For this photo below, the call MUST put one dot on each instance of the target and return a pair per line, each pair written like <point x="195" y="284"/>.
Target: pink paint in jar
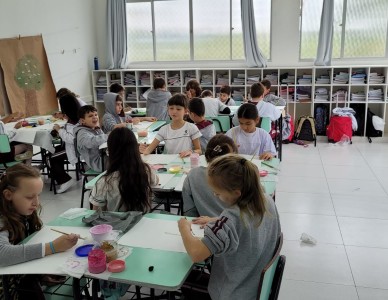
<point x="97" y="261"/>
<point x="194" y="160"/>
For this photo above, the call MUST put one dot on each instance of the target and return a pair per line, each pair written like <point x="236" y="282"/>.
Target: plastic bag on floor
<point x="345" y="140"/>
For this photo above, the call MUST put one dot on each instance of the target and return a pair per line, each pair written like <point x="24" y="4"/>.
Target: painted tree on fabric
<point x="29" y="77"/>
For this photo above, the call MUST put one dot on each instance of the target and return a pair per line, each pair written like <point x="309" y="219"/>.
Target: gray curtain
<point x="117" y="34"/>
<point x="325" y="39"/>
<point x="253" y="55"/>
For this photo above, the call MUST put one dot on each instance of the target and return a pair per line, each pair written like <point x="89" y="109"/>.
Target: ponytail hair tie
<point x="217" y="149"/>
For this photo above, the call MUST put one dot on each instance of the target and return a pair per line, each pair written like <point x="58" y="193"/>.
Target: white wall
<point x="285" y="41"/>
<point x="66" y="26"/>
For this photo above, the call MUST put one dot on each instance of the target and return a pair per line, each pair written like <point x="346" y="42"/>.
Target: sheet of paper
<point x="143" y="125"/>
<point x="51" y="264"/>
<point x="160" y="159"/>
<point x="157" y="234"/>
<point x="164" y="179"/>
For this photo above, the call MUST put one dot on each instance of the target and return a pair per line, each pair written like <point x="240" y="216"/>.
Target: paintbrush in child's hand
<point x="82" y="238"/>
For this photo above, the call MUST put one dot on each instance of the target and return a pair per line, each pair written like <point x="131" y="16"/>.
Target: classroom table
<point x="39" y="136"/>
<point x="171" y="268"/>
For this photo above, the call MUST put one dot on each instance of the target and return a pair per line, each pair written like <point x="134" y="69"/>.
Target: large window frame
<point x="342" y="41"/>
<point x="191" y="37"/>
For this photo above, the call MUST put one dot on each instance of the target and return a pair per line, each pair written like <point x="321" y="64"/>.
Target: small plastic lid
<point x="116" y="266"/>
<point x="84" y="250"/>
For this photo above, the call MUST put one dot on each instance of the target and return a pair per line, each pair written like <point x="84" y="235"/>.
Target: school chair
<point x="265" y="123"/>
<point x="86" y="173"/>
<point x="222" y="121"/>
<point x="5" y="147"/>
<point x="272" y="274"/>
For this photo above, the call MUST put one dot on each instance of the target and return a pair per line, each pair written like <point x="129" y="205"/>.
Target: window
<point x="360" y="28"/>
<point x="185" y="30"/>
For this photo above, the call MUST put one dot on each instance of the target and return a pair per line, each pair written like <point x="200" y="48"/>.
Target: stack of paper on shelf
<point x="273" y="78"/>
<point x="323" y="79"/>
<point x="358" y="96"/>
<point x="321" y="95"/>
<point x="222" y="79"/>
<point x="375" y="78"/>
<point x="206" y="79"/>
<point x="340" y="95"/>
<point x="375" y="94"/>
<point x="129" y="79"/>
<point x="253" y="79"/>
<point x="305" y="79"/>
<point x="341" y="78"/>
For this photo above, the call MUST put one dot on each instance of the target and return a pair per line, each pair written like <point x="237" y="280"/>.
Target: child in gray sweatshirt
<point x="157" y="100"/>
<point x="198" y="197"/>
<point x="243" y="238"/>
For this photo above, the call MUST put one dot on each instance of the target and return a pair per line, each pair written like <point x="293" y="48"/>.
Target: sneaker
<point x="24" y="156"/>
<point x="65" y="186"/>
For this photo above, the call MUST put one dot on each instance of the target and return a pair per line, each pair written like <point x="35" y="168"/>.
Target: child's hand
<point x="185" y="153"/>
<point x="65" y="242"/>
<point x="150" y="119"/>
<point x="143" y="149"/>
<point x="184" y="225"/>
<point x="266" y="156"/>
<point x="135" y="121"/>
<point x="56" y="127"/>
<point x="203" y="220"/>
<point x="18" y="125"/>
<point x="58" y="115"/>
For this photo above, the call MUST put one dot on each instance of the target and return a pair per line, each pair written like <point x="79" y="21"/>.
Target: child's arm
<point x="144" y="149"/>
<point x="90" y="141"/>
<point x="269" y="150"/>
<point x="203" y="220"/>
<point x="61" y="244"/>
<point x="149" y="119"/>
<point x="194" y="246"/>
<point x="197" y="149"/>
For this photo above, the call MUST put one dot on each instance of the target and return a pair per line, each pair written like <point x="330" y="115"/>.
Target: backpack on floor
<point x="321" y="116"/>
<point x="339" y="126"/>
<point x="305" y="129"/>
<point x="360" y="118"/>
<point x="371" y="131"/>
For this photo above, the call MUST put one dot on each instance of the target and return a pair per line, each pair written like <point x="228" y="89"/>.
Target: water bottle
<point x="194" y="160"/>
<point x="96" y="63"/>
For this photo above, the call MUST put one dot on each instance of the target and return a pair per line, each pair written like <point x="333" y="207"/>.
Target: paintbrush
<point x="82" y="238"/>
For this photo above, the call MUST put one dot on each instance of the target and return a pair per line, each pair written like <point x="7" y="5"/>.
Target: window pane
<point x="211" y="29"/>
<point x="366" y="28"/>
<point x="263" y="25"/>
<point x="139" y="24"/>
<point x="237" y="37"/>
<point x="311" y="21"/>
<point x="172" y="30"/>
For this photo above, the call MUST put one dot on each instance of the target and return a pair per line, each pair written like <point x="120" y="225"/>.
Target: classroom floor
<point x="339" y="196"/>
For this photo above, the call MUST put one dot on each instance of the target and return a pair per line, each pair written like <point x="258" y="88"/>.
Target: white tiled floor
<point x="339" y="195"/>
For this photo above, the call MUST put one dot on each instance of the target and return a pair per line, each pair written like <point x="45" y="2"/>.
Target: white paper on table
<point x="51" y="264"/>
<point x="157" y="159"/>
<point x="143" y="125"/>
<point x="157" y="234"/>
<point x="179" y="185"/>
<point x="163" y="180"/>
<point x="25" y="136"/>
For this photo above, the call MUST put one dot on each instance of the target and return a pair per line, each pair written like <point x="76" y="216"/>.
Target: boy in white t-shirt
<point x="213" y="107"/>
<point x="180" y="137"/>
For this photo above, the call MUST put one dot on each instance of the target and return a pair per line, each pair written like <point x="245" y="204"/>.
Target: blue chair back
<point x="272" y="274"/>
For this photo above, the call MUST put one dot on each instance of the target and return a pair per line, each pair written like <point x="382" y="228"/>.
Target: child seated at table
<point x="63" y="92"/>
<point x="119" y="89"/>
<point x="225" y="98"/>
<point x="20" y="188"/>
<point x="271" y="98"/>
<point x="249" y="139"/>
<point x="180" y="137"/>
<point x="89" y="137"/>
<point x="213" y="107"/>
<point x="264" y="109"/>
<point x="198" y="198"/>
<point x="69" y="107"/>
<point x="19" y="151"/>
<point x="157" y="100"/>
<point x="206" y="127"/>
<point x="243" y="238"/>
<point x="126" y="186"/>
<point x="193" y="89"/>
<point x="113" y="112"/>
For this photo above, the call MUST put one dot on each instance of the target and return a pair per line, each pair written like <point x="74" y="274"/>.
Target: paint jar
<point x="110" y="249"/>
<point x="96" y="261"/>
<point x="194" y="160"/>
